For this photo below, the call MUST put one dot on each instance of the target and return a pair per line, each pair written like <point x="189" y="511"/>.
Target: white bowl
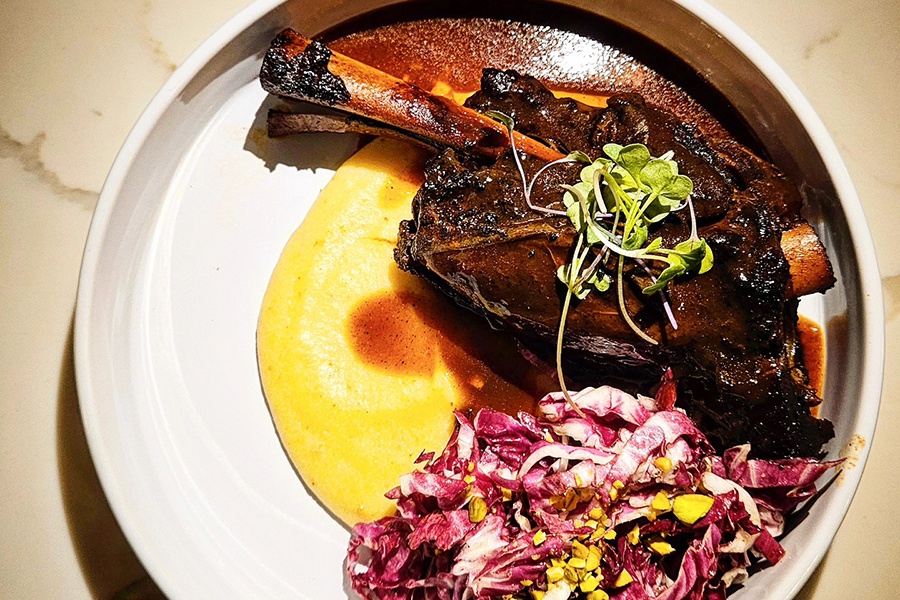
<point x="189" y="226"/>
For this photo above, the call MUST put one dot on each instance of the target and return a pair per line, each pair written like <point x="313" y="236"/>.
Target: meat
<point x="299" y="68"/>
<point x="734" y="353"/>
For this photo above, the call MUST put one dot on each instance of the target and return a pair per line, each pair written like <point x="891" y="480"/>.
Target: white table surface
<point x="75" y="76"/>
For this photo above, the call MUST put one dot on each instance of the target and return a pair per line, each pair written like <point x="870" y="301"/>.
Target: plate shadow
<point x="110" y="567"/>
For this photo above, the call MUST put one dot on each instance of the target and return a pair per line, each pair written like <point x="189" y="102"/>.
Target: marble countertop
<point x="74" y="78"/>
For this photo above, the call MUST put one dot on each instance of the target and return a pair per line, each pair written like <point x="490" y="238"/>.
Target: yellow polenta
<point x="350" y="421"/>
<point x="361" y="363"/>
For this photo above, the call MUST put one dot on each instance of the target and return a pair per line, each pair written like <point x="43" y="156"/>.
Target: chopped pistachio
<point x="634" y="535"/>
<point x="477" y="509"/>
<point x="661" y="502"/>
<point x="539" y="537"/>
<point x="663" y="463"/>
<point x="538" y="594"/>
<point x="526" y="583"/>
<point x="610" y="534"/>
<point x="618" y="484"/>
<point x="596" y="513"/>
<point x="690" y="508"/>
<point x="570" y="500"/>
<point x="579" y="550"/>
<point x="589" y="584"/>
<point x="577" y="563"/>
<point x="598" y="595"/>
<point x="593" y="559"/>
<point x="555" y="574"/>
<point x="661" y="547"/>
<point x="623" y="579"/>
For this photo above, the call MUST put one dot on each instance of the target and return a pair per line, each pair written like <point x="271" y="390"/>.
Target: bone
<point x="280" y="124"/>
<point x="299" y="68"/>
<point x="291" y="71"/>
<point x="811" y="270"/>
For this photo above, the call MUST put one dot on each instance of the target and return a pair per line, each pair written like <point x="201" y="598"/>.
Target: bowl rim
<point x="871" y="379"/>
<point x="872" y="310"/>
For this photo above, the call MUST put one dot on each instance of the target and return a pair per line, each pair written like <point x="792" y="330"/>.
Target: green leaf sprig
<point x="614" y="205"/>
<point x="612" y="208"/>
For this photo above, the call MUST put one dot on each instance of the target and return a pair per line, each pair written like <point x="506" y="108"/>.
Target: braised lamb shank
<point x="734" y="354"/>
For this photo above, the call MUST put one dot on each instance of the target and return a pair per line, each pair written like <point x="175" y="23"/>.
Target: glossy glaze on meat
<point x="734" y="354"/>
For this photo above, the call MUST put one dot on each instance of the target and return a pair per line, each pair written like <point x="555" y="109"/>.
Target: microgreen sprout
<point x="617" y="200"/>
<point x="527" y="186"/>
<point x="638" y="190"/>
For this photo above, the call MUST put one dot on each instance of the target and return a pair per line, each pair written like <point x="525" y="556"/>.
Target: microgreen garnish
<point x="526" y="185"/>
<point x="613" y="206"/>
<point x="636" y="190"/>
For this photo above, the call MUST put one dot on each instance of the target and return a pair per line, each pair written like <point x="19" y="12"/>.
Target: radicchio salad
<point x="627" y="501"/>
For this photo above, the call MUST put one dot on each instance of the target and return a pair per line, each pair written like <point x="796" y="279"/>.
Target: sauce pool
<point x="812" y="342"/>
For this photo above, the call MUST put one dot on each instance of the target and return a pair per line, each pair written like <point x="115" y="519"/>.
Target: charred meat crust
<point x="299" y="68"/>
<point x="287" y="73"/>
<point x="739" y="369"/>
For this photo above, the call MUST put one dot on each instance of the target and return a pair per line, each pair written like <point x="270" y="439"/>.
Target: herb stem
<point x="607" y="240"/>
<point x="618" y="192"/>
<point x="646" y="204"/>
<point x="693" y="219"/>
<point x="621" y="293"/>
<point x="592" y="268"/>
<point x="630" y="221"/>
<point x="610" y="181"/>
<point x="577" y="259"/>
<point x="559" y="345"/>
<point x="526" y="187"/>
<point x="661" y="293"/>
<point x="558" y="161"/>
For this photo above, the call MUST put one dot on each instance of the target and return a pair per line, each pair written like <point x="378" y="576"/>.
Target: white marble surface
<point x="74" y="78"/>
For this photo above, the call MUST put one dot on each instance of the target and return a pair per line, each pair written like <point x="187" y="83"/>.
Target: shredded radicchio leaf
<point x="628" y="501"/>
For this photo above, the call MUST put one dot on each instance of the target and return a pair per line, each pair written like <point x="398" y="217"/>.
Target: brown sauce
<point x="566" y="48"/>
<point x="406" y="332"/>
<point x="812" y="341"/>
